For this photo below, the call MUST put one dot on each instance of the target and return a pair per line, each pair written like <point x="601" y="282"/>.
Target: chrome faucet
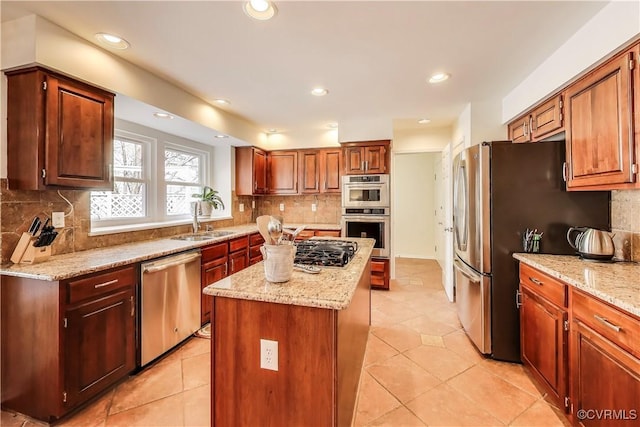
<point x="195" y="206"/>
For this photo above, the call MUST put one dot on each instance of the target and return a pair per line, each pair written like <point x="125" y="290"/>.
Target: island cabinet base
<point x="320" y="356"/>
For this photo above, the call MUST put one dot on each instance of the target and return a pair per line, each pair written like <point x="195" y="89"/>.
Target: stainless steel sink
<point x="193" y="237"/>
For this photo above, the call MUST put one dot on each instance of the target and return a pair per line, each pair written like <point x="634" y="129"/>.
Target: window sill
<point x="101" y="231"/>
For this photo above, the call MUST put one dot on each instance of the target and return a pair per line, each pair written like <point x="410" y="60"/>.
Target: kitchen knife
<point x="35" y="226"/>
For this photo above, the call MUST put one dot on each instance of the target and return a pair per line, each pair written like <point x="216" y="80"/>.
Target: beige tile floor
<point x="420" y="370"/>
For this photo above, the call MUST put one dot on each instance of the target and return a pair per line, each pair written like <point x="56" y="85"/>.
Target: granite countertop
<point x="617" y="283"/>
<point x="60" y="267"/>
<point x="332" y="288"/>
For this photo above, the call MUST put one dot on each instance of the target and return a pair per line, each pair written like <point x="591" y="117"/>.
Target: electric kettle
<point x="591" y="243"/>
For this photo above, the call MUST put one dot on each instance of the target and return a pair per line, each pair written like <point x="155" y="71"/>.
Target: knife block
<point x="26" y="253"/>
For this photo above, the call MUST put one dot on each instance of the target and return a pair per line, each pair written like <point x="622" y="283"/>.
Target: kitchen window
<point x="153" y="184"/>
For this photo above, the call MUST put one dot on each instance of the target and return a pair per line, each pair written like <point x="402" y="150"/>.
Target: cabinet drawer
<point x="255" y="239"/>
<point x="100" y="284"/>
<point x="255" y="260"/>
<point x="214" y="251"/>
<point x="542" y="284"/>
<point x="377" y="266"/>
<point x="617" y="326"/>
<point x="304" y="235"/>
<point x="239" y="244"/>
<point x="328" y="233"/>
<point x="254" y="252"/>
<point x="377" y="280"/>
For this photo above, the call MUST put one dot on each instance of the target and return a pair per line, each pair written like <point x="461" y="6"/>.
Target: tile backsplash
<point x="18" y="207"/>
<point x="625" y="223"/>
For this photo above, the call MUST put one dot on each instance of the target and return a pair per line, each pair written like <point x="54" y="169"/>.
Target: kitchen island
<point x="320" y="323"/>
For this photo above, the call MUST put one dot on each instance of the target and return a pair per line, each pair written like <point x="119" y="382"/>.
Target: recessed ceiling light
<point x="221" y="136"/>
<point x="439" y="77"/>
<point x="260" y="9"/>
<point x="112" y="40"/>
<point x="163" y="116"/>
<point x="424" y="121"/>
<point x="222" y="101"/>
<point x="319" y="91"/>
<point x="273" y="130"/>
<point x="332" y="125"/>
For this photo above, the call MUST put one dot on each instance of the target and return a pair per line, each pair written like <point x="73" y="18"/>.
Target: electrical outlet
<point x="281" y="207"/>
<point x="314" y="207"/>
<point x="57" y="219"/>
<point x="269" y="354"/>
<point x="241" y="207"/>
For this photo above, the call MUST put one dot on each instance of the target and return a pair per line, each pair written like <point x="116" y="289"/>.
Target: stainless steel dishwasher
<point x="170" y="303"/>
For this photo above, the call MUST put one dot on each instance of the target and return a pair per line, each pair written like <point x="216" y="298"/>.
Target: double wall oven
<point x="365" y="210"/>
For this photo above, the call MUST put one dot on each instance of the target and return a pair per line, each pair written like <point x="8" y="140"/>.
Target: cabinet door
<point x="211" y="273"/>
<point x="79" y="146"/>
<point x="375" y="159"/>
<point x="605" y="380"/>
<point x="354" y="160"/>
<point x="238" y="261"/>
<point x="546" y="120"/>
<point x="380" y="273"/>
<point x="599" y="127"/>
<point x="309" y="171"/>
<point x="544" y="343"/>
<point x="259" y="172"/>
<point x="519" y="129"/>
<point x="99" y="345"/>
<point x="283" y="172"/>
<point x="330" y="171"/>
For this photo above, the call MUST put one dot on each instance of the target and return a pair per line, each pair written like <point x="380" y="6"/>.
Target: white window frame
<point x="148" y="152"/>
<point x="155" y="185"/>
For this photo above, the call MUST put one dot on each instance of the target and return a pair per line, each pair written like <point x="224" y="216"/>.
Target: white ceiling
<point x="374" y="57"/>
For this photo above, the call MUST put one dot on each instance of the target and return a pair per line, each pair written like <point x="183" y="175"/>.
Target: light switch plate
<point x="281" y="207"/>
<point x="241" y="207"/>
<point x="314" y="207"/>
<point x="57" y="219"/>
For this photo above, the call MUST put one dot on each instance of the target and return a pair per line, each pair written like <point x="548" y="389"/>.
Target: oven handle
<point x="366" y="218"/>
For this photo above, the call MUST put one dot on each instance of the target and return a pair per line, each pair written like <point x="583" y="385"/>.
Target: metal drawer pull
<point x="606" y="323"/>
<point x="536" y="281"/>
<point x="110" y="282"/>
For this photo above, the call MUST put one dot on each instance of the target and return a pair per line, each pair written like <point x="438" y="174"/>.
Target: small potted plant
<point x="208" y="200"/>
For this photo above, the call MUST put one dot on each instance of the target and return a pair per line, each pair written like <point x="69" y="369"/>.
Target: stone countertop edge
<point x="65" y="266"/>
<point x="617" y="283"/>
<point x="332" y="288"/>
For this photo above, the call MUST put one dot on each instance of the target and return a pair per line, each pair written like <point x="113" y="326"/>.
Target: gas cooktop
<point x="332" y="253"/>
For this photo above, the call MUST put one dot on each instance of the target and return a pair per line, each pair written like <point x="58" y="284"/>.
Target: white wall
<point x="366" y="129"/>
<point x="616" y="24"/>
<point x="421" y="140"/>
<point x="413" y="185"/>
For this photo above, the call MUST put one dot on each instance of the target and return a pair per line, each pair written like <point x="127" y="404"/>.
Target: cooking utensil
<point x="311" y="269"/>
<point x="591" y="243"/>
<point x="294" y="233"/>
<point x="275" y="230"/>
<point x="263" y="227"/>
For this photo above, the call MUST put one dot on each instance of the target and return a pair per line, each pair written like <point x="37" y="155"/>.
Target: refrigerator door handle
<point x="465" y="273"/>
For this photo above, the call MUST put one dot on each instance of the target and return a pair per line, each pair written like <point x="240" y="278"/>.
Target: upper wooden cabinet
<point x="59" y="132"/>
<point x="544" y="121"/>
<point x="251" y="171"/>
<point x="320" y="171"/>
<point x="600" y="129"/>
<point x="366" y="157"/>
<point x="283" y="172"/>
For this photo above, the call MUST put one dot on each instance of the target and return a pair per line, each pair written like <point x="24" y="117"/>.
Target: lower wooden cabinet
<point x="544" y="342"/>
<point x="238" y="254"/>
<point x="72" y="339"/>
<point x="585" y="353"/>
<point x="255" y="242"/>
<point x="380" y="273"/>
<point x="214" y="268"/>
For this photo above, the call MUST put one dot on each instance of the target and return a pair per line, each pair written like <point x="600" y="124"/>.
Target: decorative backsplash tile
<point x="625" y="223"/>
<point x="18" y="207"/>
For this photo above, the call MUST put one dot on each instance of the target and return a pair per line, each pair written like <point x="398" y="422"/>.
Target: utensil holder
<point x="278" y="262"/>
<point x="26" y="253"/>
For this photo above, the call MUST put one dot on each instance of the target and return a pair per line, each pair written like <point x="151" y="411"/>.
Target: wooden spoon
<point x="263" y="228"/>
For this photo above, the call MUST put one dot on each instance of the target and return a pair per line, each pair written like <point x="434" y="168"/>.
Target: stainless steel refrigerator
<point x="501" y="190"/>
